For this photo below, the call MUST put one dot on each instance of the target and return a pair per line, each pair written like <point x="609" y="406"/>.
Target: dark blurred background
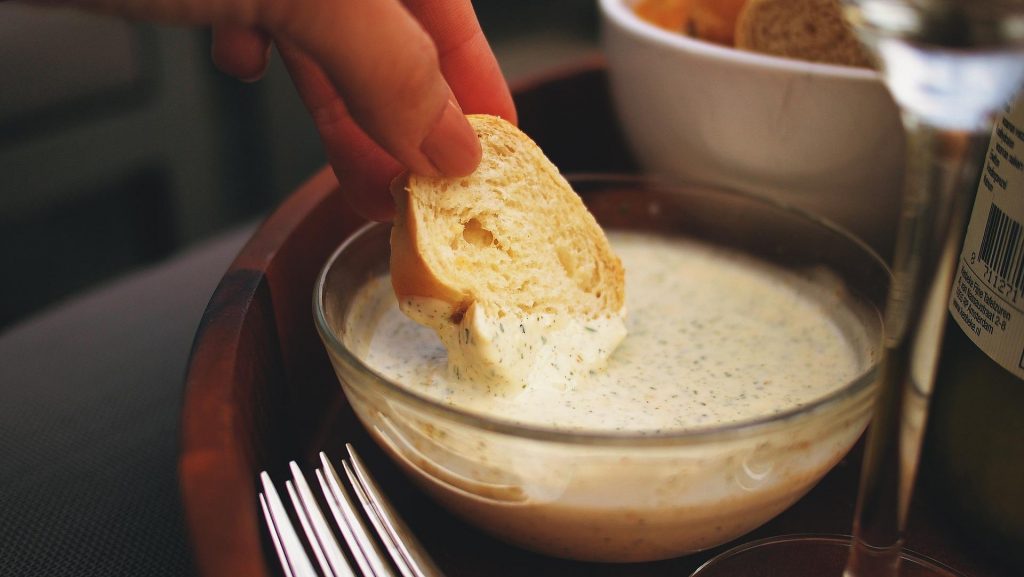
<point x="121" y="144"/>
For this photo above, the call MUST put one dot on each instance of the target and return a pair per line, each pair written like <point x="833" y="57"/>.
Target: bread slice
<point x="513" y="237"/>
<point x="812" y="30"/>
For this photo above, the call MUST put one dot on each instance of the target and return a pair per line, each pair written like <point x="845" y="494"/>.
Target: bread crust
<point x="432" y="256"/>
<point x="811" y="30"/>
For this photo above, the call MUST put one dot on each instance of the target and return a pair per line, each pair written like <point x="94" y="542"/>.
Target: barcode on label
<point x="1002" y="247"/>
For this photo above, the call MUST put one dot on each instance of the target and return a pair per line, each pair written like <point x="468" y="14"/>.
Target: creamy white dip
<point x="498" y="352"/>
<point x="713" y="337"/>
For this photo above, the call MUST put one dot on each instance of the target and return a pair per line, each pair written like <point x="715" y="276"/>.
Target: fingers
<point x="385" y="67"/>
<point x="240" y="51"/>
<point x="466" y="59"/>
<point x="378" y="89"/>
<point x="363" y="167"/>
<point x="364" y="170"/>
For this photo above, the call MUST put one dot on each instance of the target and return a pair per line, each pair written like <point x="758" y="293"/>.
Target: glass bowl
<point x="624" y="496"/>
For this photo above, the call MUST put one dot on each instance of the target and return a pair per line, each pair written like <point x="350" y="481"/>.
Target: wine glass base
<point x="805" y="556"/>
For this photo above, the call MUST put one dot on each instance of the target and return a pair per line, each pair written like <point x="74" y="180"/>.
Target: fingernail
<point x="256" y="76"/>
<point x="452" y="145"/>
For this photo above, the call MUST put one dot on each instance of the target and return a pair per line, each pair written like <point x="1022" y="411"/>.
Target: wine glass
<point x="950" y="65"/>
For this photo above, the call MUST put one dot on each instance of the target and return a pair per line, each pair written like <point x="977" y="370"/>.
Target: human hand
<point x="384" y="80"/>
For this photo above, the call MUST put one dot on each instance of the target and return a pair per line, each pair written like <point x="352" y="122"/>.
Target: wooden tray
<point x="260" y="390"/>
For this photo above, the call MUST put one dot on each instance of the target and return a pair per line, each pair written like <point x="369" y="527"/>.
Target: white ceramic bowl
<point x="826" y="138"/>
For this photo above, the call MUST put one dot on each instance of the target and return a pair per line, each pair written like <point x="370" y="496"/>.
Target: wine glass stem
<point x="940" y="187"/>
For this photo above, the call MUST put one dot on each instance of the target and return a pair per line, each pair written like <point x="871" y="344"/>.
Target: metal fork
<point x="362" y="555"/>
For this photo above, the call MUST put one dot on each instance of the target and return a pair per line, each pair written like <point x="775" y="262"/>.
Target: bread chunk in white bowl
<point x="823" y="137"/>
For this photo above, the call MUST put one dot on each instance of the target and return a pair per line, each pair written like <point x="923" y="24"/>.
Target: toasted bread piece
<point x="812" y="30"/>
<point x="513" y="237"/>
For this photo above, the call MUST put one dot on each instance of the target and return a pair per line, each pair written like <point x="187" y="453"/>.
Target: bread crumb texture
<point x="512" y="237"/>
<point x="812" y="30"/>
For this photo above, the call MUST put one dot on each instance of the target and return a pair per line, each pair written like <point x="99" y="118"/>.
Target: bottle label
<point x="987" y="299"/>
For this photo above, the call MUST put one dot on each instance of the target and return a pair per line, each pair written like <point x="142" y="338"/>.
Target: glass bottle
<point x="973" y="463"/>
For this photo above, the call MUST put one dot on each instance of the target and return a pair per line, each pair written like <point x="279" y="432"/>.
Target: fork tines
<point x="362" y="553"/>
